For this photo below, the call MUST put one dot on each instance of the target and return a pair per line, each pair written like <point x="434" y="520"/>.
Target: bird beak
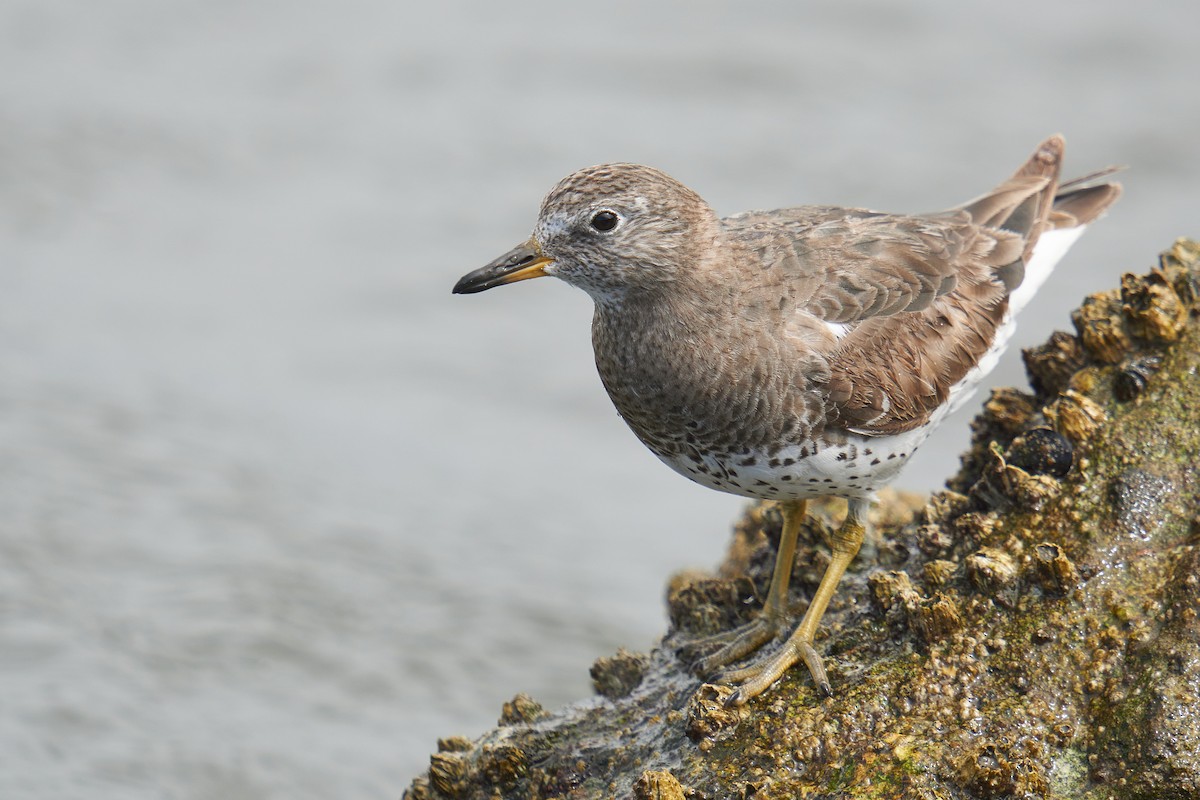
<point x="523" y="262"/>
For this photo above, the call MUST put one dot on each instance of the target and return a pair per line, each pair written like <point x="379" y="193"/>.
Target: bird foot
<point x="733" y="645"/>
<point x="758" y="677"/>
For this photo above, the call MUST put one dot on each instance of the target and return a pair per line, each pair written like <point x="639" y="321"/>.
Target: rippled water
<point x="277" y="510"/>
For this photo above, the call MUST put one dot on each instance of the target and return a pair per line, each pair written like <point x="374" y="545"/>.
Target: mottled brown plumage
<point x="800" y="352"/>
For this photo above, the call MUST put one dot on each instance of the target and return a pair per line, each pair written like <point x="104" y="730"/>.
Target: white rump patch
<point x="1050" y="248"/>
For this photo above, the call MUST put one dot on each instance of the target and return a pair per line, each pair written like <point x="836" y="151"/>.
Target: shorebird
<point x="798" y="353"/>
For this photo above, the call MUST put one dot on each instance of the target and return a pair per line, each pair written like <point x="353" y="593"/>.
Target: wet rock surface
<point x="1032" y="632"/>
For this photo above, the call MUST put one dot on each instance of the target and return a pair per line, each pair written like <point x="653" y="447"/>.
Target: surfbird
<point x="798" y="353"/>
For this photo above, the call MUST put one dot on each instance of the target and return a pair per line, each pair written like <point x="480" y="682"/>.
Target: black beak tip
<point x="470" y="284"/>
<point x="499" y="272"/>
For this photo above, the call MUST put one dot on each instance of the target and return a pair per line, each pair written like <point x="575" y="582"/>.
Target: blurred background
<point x="276" y="510"/>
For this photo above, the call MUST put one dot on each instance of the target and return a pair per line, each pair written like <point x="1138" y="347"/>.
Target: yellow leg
<point x="758" y="677"/>
<point x="785" y="559"/>
<point x="750" y="637"/>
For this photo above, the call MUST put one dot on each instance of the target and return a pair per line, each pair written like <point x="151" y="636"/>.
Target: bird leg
<point x="758" y="677"/>
<point x="748" y="638"/>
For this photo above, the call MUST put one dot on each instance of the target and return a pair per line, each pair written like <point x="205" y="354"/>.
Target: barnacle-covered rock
<point x="617" y="676"/>
<point x="1130" y="381"/>
<point x="1003" y="485"/>
<point x="938" y="572"/>
<point x="1075" y="416"/>
<point x="708" y="715"/>
<point x="1154" y="309"/>
<point x="704" y="605"/>
<point x="657" y="785"/>
<point x="888" y="589"/>
<point x="1042" y="451"/>
<point x="1051" y="365"/>
<point x="521" y="709"/>
<point x="448" y="773"/>
<point x="1055" y="572"/>
<point x="991" y="569"/>
<point x="502" y="765"/>
<point x="1101" y="327"/>
<point x="936" y="618"/>
<point x="993" y="770"/>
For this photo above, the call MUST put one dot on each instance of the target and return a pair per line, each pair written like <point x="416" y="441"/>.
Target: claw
<point x="815" y="668"/>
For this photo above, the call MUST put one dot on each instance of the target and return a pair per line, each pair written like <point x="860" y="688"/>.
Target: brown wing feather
<point x="850" y="264"/>
<point x="889" y="375"/>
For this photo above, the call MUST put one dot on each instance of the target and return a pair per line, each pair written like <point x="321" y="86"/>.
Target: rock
<point x="1055" y="572"/>
<point x="1051" y="365"/>
<point x="1075" y="416"/>
<point x="1042" y="451"/>
<point x="657" y="785"/>
<point x="521" y="708"/>
<point x="616" y="676"/>
<point x="1131" y="380"/>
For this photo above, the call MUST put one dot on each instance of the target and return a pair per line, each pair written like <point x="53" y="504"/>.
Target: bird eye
<point x="605" y="220"/>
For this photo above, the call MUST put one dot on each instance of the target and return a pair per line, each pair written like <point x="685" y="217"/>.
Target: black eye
<point x="605" y="220"/>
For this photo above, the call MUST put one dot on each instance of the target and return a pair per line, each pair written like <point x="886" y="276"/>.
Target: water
<point x="278" y="510"/>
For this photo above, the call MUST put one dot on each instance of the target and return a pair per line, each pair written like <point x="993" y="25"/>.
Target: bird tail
<point x="1049" y="216"/>
<point x="1083" y="200"/>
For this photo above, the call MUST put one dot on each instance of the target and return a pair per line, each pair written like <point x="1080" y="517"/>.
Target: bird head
<point x="611" y="230"/>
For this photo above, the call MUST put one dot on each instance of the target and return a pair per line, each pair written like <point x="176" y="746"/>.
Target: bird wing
<point x="852" y="264"/>
<point x="914" y="301"/>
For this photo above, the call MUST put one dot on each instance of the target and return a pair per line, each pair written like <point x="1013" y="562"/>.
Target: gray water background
<point x="276" y="510"/>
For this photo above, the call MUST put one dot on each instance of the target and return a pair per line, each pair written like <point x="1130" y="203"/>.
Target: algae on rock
<point x="1032" y="632"/>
